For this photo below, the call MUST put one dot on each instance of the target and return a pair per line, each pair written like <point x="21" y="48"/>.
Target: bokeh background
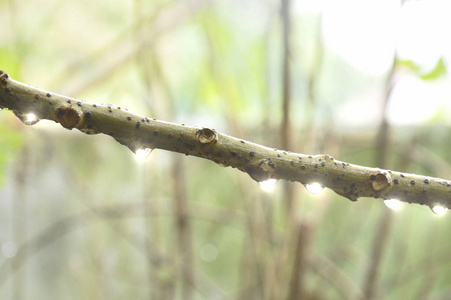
<point x="364" y="81"/>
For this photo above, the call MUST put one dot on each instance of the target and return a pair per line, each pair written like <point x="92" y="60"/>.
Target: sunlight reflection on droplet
<point x="142" y="153"/>
<point x="439" y="210"/>
<point x="9" y="249"/>
<point x="268" y="185"/>
<point x="314" y="188"/>
<point x="31" y="118"/>
<point x="208" y="252"/>
<point x="394" y="204"/>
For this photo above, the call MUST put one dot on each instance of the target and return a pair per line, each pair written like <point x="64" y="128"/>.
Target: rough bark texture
<point x="260" y="162"/>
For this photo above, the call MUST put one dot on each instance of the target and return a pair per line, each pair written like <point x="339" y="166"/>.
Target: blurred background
<point x="365" y="81"/>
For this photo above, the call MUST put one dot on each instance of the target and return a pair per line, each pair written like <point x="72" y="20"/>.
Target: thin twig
<point x="260" y="162"/>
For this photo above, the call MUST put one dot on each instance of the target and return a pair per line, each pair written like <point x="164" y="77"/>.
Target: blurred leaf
<point x="408" y="64"/>
<point x="437" y="72"/>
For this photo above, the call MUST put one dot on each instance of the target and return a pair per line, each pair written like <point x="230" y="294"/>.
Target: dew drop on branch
<point x="439" y="210"/>
<point x="314" y="188"/>
<point x="142" y="153"/>
<point x="268" y="185"/>
<point x="28" y="119"/>
<point x="394" y="204"/>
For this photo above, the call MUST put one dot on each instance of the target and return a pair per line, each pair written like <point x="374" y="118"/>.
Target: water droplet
<point x="394" y="204"/>
<point x="268" y="185"/>
<point x="438" y="209"/>
<point x="31" y="119"/>
<point x="28" y="119"/>
<point x="314" y="188"/>
<point x="142" y="153"/>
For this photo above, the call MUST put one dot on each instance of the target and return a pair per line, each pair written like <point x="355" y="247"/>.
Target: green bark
<point x="260" y="162"/>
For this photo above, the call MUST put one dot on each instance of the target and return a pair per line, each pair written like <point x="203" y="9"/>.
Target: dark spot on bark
<point x="426" y="181"/>
<point x="7" y="90"/>
<point x="396" y="181"/>
<point x="95" y="105"/>
<point x="88" y="115"/>
<point x="138" y="124"/>
<point x="303" y="167"/>
<point x="48" y="95"/>
<point x="251" y="153"/>
<point x="79" y="103"/>
<point x="36" y="96"/>
<point x="233" y="153"/>
<point x="372" y="177"/>
<point x="402" y="175"/>
<point x="129" y="118"/>
<point x="412" y="182"/>
<point x="170" y="135"/>
<point x="156" y="132"/>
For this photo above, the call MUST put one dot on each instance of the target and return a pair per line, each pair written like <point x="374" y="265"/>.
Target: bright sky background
<point x="368" y="33"/>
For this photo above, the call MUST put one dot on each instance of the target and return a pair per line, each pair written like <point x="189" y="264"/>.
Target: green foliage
<point x="438" y="71"/>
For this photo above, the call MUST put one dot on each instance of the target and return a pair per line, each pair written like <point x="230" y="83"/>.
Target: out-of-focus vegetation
<point x="81" y="218"/>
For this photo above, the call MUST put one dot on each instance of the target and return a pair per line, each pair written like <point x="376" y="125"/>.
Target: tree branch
<point x="260" y="162"/>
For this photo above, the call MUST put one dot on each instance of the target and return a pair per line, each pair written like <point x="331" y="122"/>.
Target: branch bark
<point x="260" y="162"/>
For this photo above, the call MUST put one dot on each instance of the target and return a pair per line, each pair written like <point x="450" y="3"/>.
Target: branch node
<point x="380" y="181"/>
<point x="206" y="136"/>
<point x="67" y="116"/>
<point x="257" y="172"/>
<point x="4" y="77"/>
